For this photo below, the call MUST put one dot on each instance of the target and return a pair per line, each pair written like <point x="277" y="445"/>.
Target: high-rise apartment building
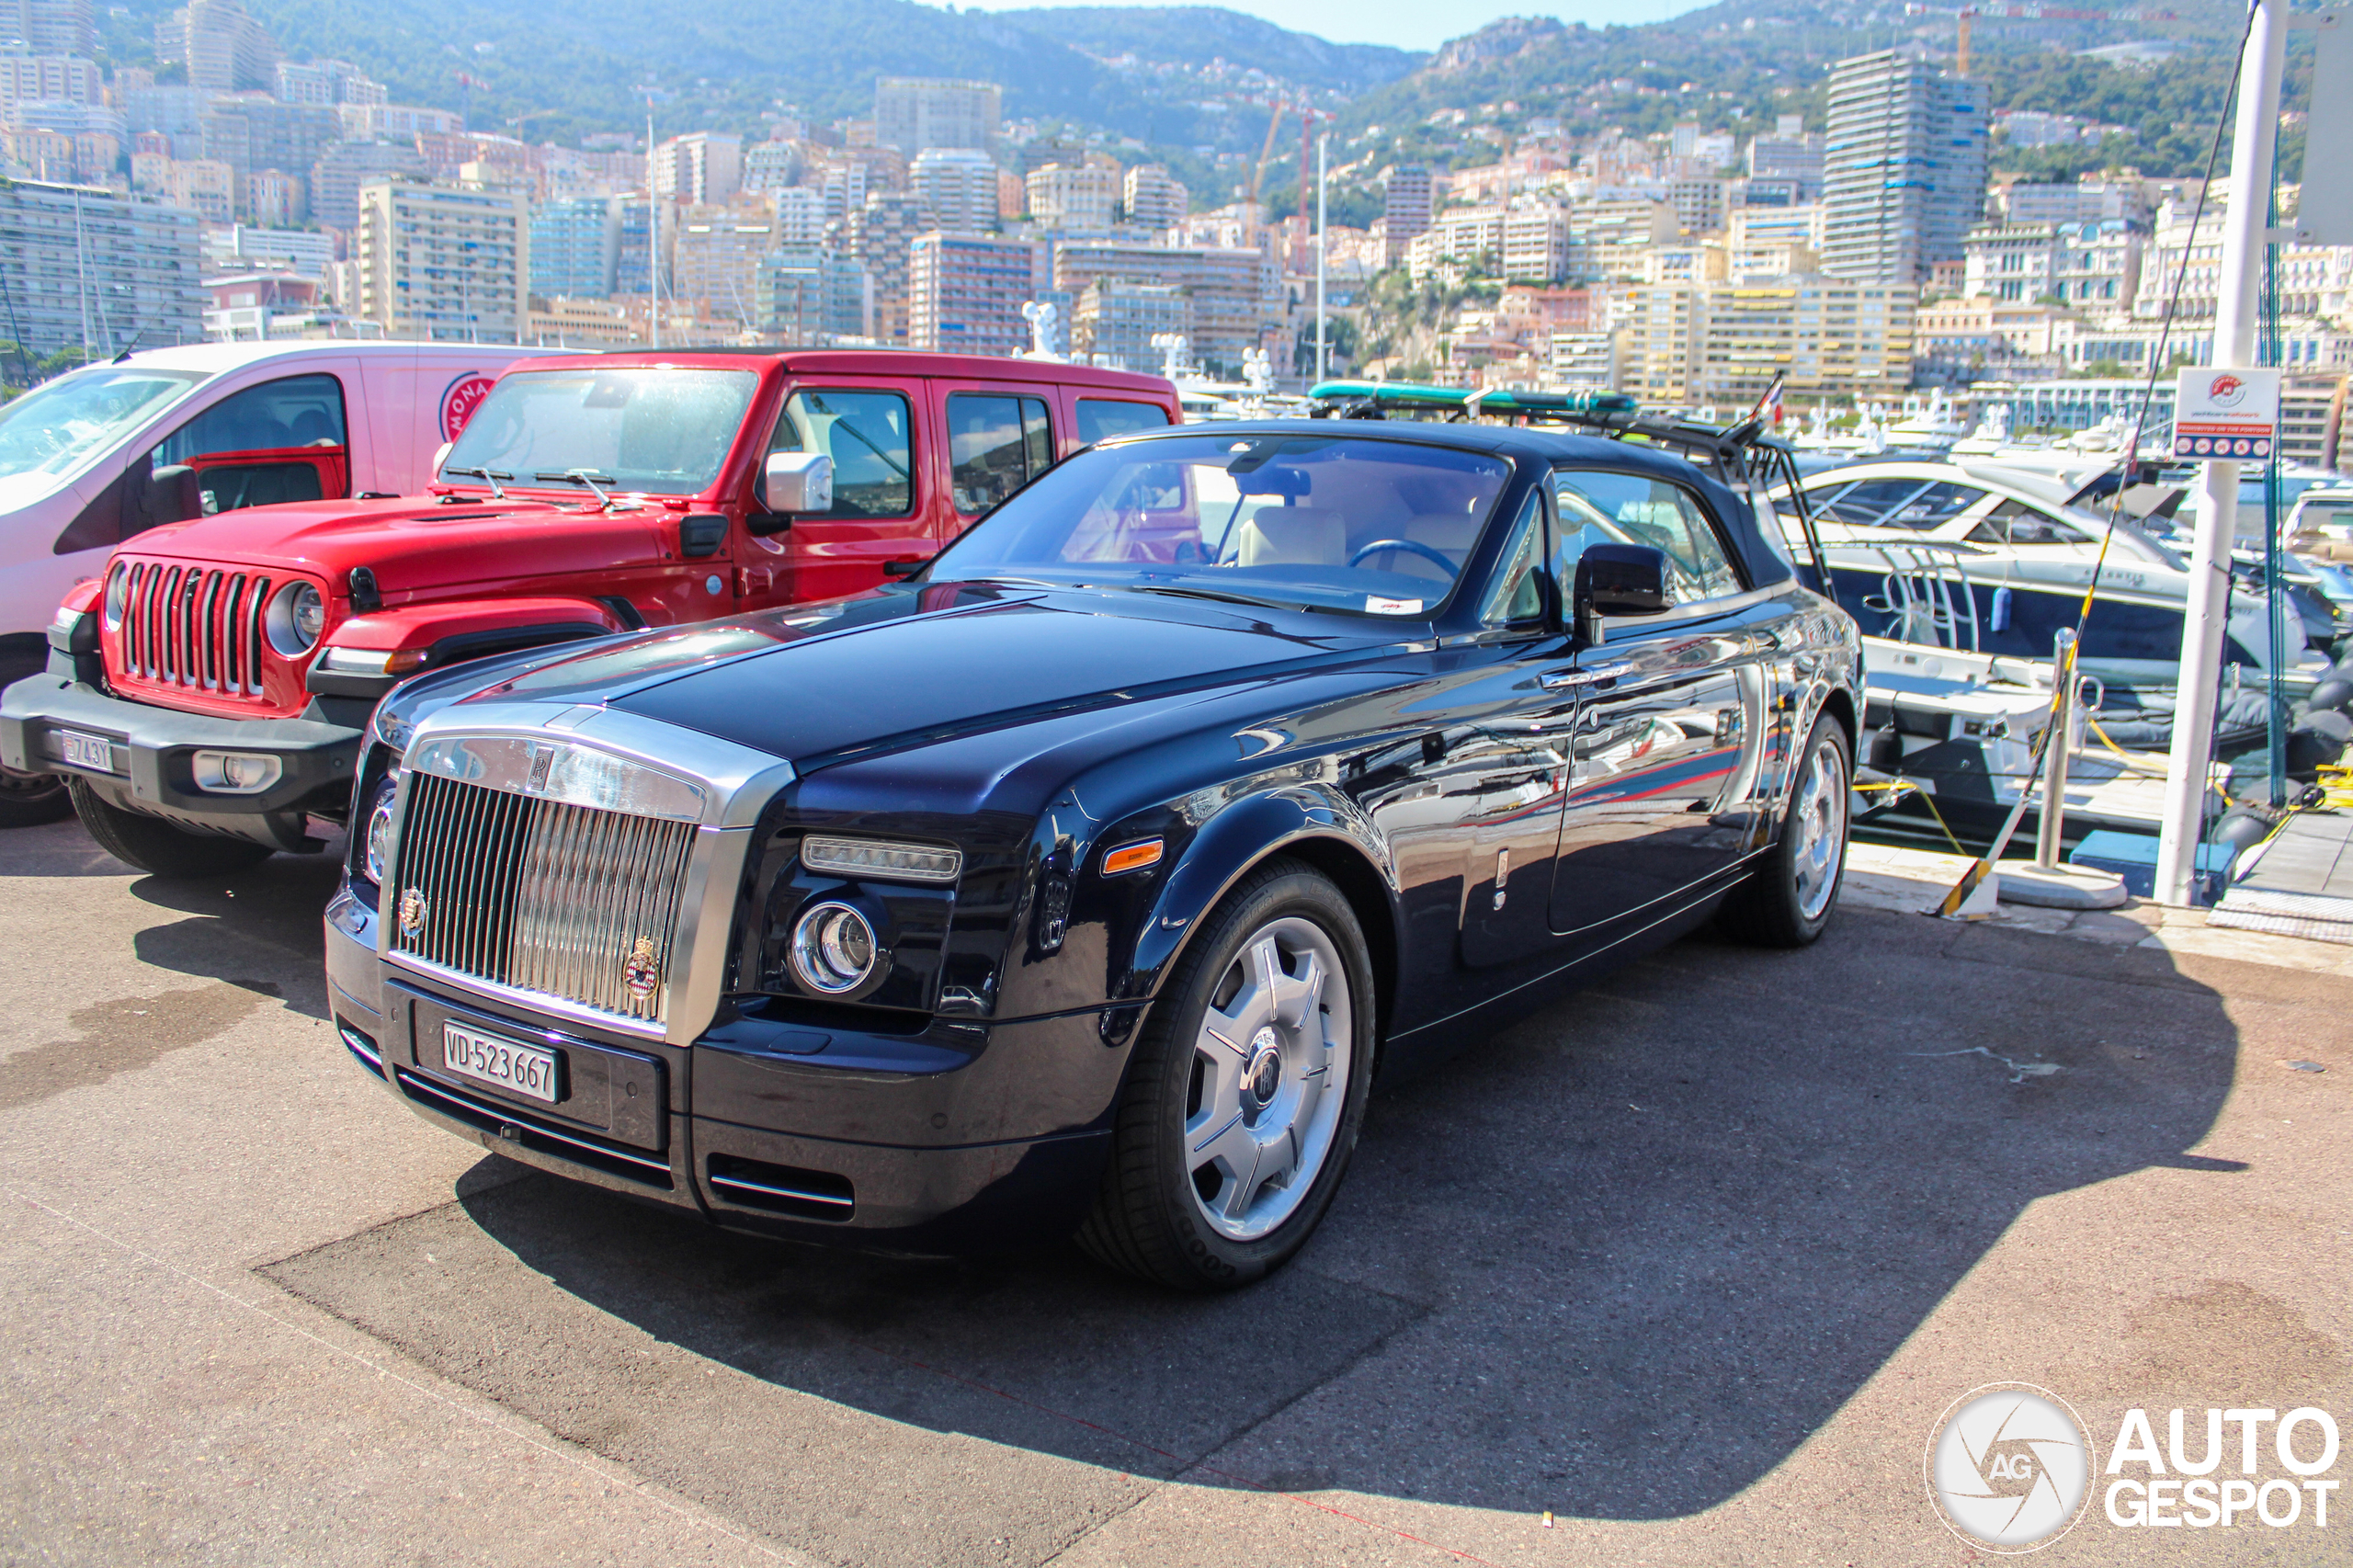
<point x="574" y="244"/>
<point x="1904" y="168"/>
<point x="1081" y="200"/>
<point x="443" y="264"/>
<point x="50" y="26"/>
<point x="717" y="252"/>
<point x="223" y="49"/>
<point x="634" y="260"/>
<point x="326" y="83"/>
<point x="1153" y="198"/>
<point x="812" y="296"/>
<point x="880" y="236"/>
<point x="770" y="167"/>
<point x="916" y="114"/>
<point x="799" y="215"/>
<point x="84" y="265"/>
<point x="1405" y="210"/>
<point x="700" y="169"/>
<point x="965" y="292"/>
<point x="1115" y="320"/>
<point x="344" y="168"/>
<point x="1236" y="295"/>
<point x="958" y="184"/>
<point x="26" y="78"/>
<point x="254" y="135"/>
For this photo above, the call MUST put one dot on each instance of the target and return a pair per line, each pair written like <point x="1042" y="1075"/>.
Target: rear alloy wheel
<point x="1787" y="900"/>
<point x="153" y="845"/>
<point x="1246" y="1092"/>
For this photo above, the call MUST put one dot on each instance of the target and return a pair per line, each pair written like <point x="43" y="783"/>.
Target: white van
<point x="163" y="435"/>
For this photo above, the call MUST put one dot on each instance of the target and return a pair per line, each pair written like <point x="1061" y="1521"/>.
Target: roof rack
<point x="1746" y="458"/>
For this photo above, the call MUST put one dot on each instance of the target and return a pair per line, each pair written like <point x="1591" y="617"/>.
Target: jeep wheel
<point x="1246" y="1091"/>
<point x="153" y="845"/>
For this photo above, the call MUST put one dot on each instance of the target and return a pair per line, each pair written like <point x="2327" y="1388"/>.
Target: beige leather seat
<point x="1451" y="534"/>
<point x="1293" y="536"/>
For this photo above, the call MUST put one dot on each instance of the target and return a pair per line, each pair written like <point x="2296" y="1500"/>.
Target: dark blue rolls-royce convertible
<point x="1086" y="880"/>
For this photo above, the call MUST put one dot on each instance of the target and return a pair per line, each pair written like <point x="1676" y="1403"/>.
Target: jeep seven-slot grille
<point x="194" y="627"/>
<point x="564" y="900"/>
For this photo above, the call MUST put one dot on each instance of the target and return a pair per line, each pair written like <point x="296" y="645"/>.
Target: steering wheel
<point x="1434" y="557"/>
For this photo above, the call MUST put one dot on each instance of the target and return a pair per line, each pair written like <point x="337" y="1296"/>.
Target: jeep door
<point x="880" y="440"/>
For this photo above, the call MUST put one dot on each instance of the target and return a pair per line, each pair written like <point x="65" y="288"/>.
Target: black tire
<point x="27" y="800"/>
<point x="1775" y="905"/>
<point x="153" y="845"/>
<point x="1149" y="1218"/>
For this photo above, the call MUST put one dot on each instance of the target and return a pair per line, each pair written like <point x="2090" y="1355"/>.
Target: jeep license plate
<point x="85" y="751"/>
<point x="524" y="1069"/>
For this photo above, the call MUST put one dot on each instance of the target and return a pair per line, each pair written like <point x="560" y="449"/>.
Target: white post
<point x="2203" y="622"/>
<point x="653" y="233"/>
<point x="1323" y="247"/>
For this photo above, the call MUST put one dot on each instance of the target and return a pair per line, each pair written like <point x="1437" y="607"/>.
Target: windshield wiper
<point x="1215" y="594"/>
<point x="595" y="482"/>
<point x="488" y="476"/>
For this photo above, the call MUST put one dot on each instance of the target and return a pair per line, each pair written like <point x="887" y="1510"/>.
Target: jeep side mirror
<point x="797" y="482"/>
<point x="441" y="456"/>
<point x="1618" y="579"/>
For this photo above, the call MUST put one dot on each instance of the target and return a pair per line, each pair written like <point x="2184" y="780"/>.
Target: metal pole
<point x="2204" y="622"/>
<point x="1323" y="247"/>
<point x="2052" y="823"/>
<point x="653" y="233"/>
<point x="81" y="275"/>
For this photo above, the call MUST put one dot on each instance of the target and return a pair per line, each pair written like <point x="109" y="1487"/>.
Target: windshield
<point x="664" y="432"/>
<point x="55" y="427"/>
<point x="1327" y="522"/>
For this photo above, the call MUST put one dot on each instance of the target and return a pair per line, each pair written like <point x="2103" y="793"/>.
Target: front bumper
<point x="151" y="748"/>
<point x="957" y="1137"/>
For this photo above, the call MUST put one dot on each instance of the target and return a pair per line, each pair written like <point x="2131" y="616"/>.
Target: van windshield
<point x="58" y="425"/>
<point x="654" y="430"/>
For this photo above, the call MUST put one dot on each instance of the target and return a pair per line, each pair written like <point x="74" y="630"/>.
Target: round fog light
<point x="376" y="849"/>
<point x="832" y="948"/>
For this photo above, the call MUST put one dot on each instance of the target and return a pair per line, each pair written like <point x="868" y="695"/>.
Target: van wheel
<point x="1246" y="1091"/>
<point x="153" y="845"/>
<point x="30" y="799"/>
<point x="1787" y="900"/>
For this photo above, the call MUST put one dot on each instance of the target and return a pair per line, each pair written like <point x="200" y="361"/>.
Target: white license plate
<point x="86" y="751"/>
<point x="525" y="1069"/>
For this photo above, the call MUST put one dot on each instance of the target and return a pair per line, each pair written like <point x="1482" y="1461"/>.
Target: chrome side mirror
<point x="798" y="481"/>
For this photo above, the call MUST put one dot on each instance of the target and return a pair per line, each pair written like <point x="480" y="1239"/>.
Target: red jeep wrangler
<point x="205" y="697"/>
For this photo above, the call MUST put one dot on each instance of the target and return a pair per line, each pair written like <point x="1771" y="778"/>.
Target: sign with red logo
<point x="2222" y="415"/>
<point x="457" y="405"/>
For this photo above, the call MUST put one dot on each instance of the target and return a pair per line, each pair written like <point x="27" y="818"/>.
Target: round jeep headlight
<point x="298" y="614"/>
<point x="376" y="847"/>
<point x="834" y="949"/>
<point x="118" y="594"/>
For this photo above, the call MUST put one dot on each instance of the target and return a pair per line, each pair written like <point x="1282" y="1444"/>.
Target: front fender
<point x="1238" y="837"/>
<point x="435" y="635"/>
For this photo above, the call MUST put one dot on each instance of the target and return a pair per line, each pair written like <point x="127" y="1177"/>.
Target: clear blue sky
<point x="1407" y="24"/>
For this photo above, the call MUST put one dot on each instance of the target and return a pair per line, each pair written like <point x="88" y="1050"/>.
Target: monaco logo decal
<point x="2226" y="391"/>
<point x="458" y="404"/>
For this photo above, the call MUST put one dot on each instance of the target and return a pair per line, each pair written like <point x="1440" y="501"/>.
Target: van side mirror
<point x="1618" y="579"/>
<point x="797" y="482"/>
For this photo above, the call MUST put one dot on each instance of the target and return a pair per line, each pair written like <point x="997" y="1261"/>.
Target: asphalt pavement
<point x="1689" y="1264"/>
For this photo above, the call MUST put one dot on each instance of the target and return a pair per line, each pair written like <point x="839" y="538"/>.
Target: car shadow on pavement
<point x="1618" y="1261"/>
<point x="258" y="927"/>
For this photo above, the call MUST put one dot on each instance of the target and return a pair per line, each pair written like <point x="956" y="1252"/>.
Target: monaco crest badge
<point x="639" y="973"/>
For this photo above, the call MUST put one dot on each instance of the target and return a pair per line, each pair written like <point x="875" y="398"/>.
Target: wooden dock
<point x="2300" y="885"/>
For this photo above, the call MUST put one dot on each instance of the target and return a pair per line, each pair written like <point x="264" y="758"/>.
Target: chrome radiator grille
<point x="567" y="900"/>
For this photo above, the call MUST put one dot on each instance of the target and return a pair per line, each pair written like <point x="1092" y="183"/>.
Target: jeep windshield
<point x="650" y="430"/>
<point x="1312" y="521"/>
<point x="53" y="429"/>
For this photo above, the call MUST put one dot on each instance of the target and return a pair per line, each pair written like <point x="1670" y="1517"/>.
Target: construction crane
<point x="1265" y="148"/>
<point x="1968" y="14"/>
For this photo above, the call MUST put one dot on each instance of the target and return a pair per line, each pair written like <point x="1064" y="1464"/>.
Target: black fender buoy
<point x="2241" y="827"/>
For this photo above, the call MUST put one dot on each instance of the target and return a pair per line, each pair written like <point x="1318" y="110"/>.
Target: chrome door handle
<point x="1562" y="679"/>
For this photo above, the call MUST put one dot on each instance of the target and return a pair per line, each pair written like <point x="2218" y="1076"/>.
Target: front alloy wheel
<point x="1247" y="1090"/>
<point x="1786" y="900"/>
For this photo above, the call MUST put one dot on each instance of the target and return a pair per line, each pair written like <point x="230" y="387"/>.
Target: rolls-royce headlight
<point x="376" y="848"/>
<point x="833" y="949"/>
<point x="298" y="614"/>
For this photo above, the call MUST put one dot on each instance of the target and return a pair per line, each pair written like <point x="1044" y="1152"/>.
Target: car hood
<point x="826" y="683"/>
<point x="414" y="545"/>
